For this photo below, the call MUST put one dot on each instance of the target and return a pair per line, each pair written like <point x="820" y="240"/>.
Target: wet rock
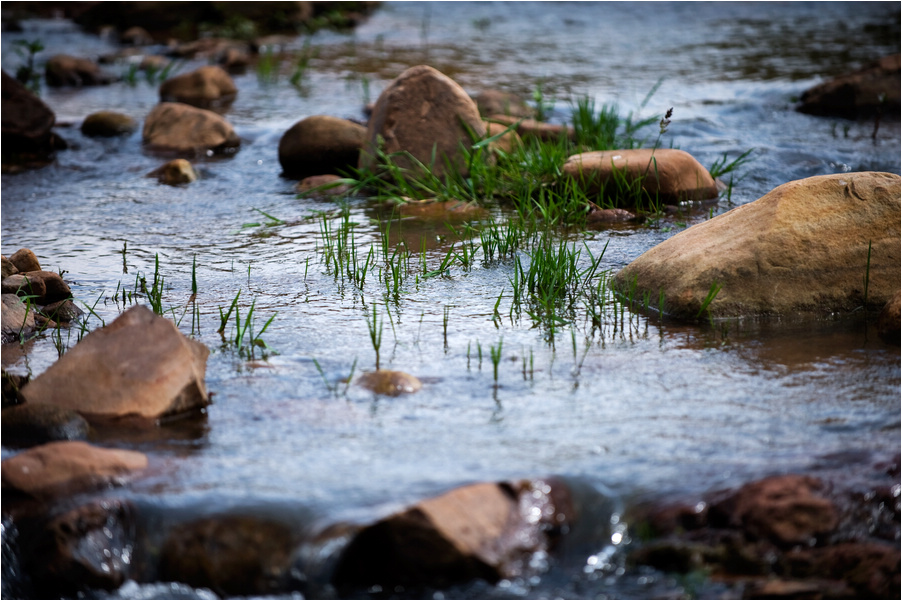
<point x="22" y="285"/>
<point x="138" y="367"/>
<point x="44" y="286"/>
<point x="530" y="128"/>
<point x="184" y="129"/>
<point x="888" y="322"/>
<point x="174" y="173"/>
<point x="483" y="531"/>
<point x="668" y="174"/>
<point x="12" y="383"/>
<point x="62" y="468"/>
<point x="135" y="36"/>
<point x="320" y="144"/>
<point x="25" y="260"/>
<point x="785" y="510"/>
<point x="207" y="87"/>
<point x="313" y="186"/>
<point x="29" y="425"/>
<point x="8" y="267"/>
<point x="871" y="91"/>
<point x="108" y="124"/>
<point x="392" y="383"/>
<point x="233" y="60"/>
<point x="27" y="133"/>
<point x="16" y="317"/>
<point x="62" y="311"/>
<point x="447" y="210"/>
<point x="154" y="63"/>
<point x="803" y="247"/>
<point x="89" y="547"/>
<point x="231" y="555"/>
<point x="423" y="113"/>
<point x="497" y="102"/>
<point x="870" y="569"/>
<point x="609" y="216"/>
<point x="507" y="143"/>
<point x="64" y="70"/>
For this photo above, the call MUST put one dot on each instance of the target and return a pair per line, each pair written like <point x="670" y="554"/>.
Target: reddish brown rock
<point x="871" y="569"/>
<point x="423" y="113"/>
<point x="62" y="311"/>
<point x="184" y="129"/>
<point x="27" y="125"/>
<point x="392" y="383"/>
<point x="323" y="186"/>
<point x="530" y="128"/>
<point x="25" y="260"/>
<point x="888" y="322"/>
<point x="174" y="173"/>
<point x="873" y="90"/>
<point x="44" y="286"/>
<point x="786" y="510"/>
<point x="666" y="174"/>
<point x="508" y="141"/>
<point x="497" y="102"/>
<point x="802" y="248"/>
<point x="22" y="285"/>
<point x="140" y="367"/>
<point x="64" y="70"/>
<point x="108" y="124"/>
<point x="16" y="317"/>
<point x="320" y="144"/>
<point x="609" y="216"/>
<point x="61" y="468"/>
<point x="446" y="210"/>
<point x="207" y="87"/>
<point x="8" y="267"/>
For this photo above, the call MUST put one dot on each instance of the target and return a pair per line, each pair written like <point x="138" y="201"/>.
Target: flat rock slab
<point x="671" y="175"/>
<point x="59" y="468"/>
<point x="139" y="366"/>
<point x="801" y="248"/>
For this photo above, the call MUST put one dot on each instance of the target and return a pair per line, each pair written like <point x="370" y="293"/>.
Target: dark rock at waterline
<point x="665" y="173"/>
<point x="597" y="216"/>
<point x="207" y="87"/>
<point x="29" y="425"/>
<point x="43" y="287"/>
<point x="184" y="129"/>
<point x="869" y="92"/>
<point x="136" y="36"/>
<point x="62" y="311"/>
<point x="320" y="144"/>
<point x="17" y="318"/>
<point x="801" y="248"/>
<point x="27" y="125"/>
<point x="108" y="124"/>
<point x="870" y="570"/>
<point x="11" y="384"/>
<point x="89" y="547"/>
<point x="139" y="367"/>
<point x="483" y="531"/>
<point x="24" y="286"/>
<point x="58" y="469"/>
<point x="174" y="173"/>
<point x="231" y="555"/>
<point x="888" y="322"/>
<point x="426" y="114"/>
<point x="64" y="70"/>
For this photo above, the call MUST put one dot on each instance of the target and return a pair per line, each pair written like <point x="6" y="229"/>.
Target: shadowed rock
<point x="207" y="87"/>
<point x="322" y="186"/>
<point x="530" y="128"/>
<point x="668" y="174"/>
<point x="28" y="425"/>
<point x="423" y="113"/>
<point x="184" y="129"/>
<point x="871" y="91"/>
<point x="16" y="317"/>
<point x="320" y="144"/>
<point x="803" y="247"/>
<point x="63" y="468"/>
<point x="64" y="70"/>
<point x="139" y="366"/>
<point x="108" y="124"/>
<point x="497" y="102"/>
<point x="174" y="173"/>
<point x="27" y="125"/>
<point x="889" y="327"/>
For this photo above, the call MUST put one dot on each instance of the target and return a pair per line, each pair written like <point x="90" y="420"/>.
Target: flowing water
<point x="653" y="408"/>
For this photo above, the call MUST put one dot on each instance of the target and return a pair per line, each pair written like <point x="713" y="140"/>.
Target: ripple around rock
<point x="805" y="247"/>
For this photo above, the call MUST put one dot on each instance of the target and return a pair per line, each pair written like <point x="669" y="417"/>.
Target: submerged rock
<point x="108" y="124"/>
<point x="62" y="468"/>
<point x="392" y="383"/>
<point x="207" y="87"/>
<point x="139" y="366"/>
<point x="426" y="114"/>
<point x="28" y="425"/>
<point x="668" y="174"/>
<point x="870" y="91"/>
<point x="174" y="173"/>
<point x="320" y="144"/>
<point x="803" y="247"/>
<point x="313" y="186"/>
<point x="64" y="70"/>
<point x="184" y="129"/>
<point x="446" y="210"/>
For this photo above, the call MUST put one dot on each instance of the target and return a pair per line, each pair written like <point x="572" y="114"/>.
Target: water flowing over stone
<point x="803" y="247"/>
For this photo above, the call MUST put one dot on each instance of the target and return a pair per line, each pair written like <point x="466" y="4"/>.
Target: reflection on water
<point x="646" y="406"/>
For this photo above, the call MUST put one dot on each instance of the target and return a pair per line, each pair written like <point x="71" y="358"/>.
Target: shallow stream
<point x="654" y="408"/>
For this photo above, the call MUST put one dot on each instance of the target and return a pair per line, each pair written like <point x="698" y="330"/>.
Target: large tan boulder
<point x="319" y="145"/>
<point x="184" y="129"/>
<point x="872" y="90"/>
<point x="482" y="531"/>
<point x="803" y="247"/>
<point x="423" y="113"/>
<point x="670" y="175"/>
<point x="65" y="467"/>
<point x="140" y="366"/>
<point x="207" y="87"/>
